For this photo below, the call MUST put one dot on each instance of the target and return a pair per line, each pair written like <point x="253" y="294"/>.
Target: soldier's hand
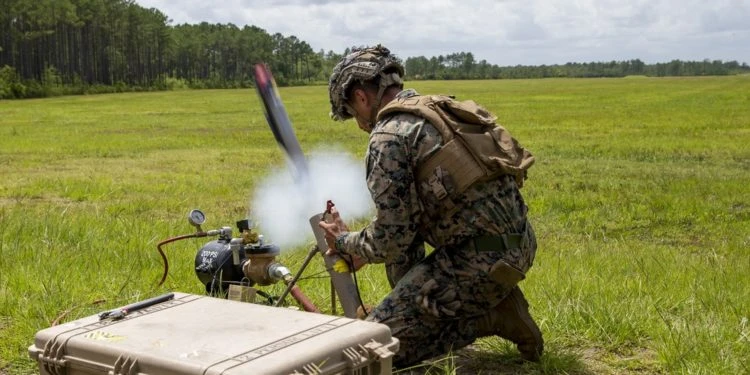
<point x="333" y="226"/>
<point x="331" y="231"/>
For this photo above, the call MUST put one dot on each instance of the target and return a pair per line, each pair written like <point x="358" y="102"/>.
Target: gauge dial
<point x="196" y="217"/>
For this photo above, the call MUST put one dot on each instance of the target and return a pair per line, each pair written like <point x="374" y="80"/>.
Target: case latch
<point x="378" y="350"/>
<point x="125" y="366"/>
<point x="52" y="358"/>
<point x="366" y="354"/>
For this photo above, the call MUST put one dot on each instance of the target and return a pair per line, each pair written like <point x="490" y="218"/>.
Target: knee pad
<point x="505" y="274"/>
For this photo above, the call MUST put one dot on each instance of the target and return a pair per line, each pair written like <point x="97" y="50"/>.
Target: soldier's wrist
<point x="341" y="242"/>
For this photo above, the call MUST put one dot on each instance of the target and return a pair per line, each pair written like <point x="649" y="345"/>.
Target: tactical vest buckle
<point x="437" y="187"/>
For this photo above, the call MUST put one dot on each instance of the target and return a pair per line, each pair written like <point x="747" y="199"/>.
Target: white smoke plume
<point x="282" y="208"/>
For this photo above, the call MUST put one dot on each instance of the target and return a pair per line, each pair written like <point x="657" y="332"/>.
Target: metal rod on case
<point x="123" y="311"/>
<point x="342" y="281"/>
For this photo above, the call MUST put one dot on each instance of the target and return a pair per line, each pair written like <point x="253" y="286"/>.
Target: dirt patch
<point x="626" y="360"/>
<point x="37" y="199"/>
<point x="474" y="360"/>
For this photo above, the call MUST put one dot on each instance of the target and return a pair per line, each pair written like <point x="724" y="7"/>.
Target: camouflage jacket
<point x="397" y="145"/>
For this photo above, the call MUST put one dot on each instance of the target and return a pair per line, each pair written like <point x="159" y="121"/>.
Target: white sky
<point x="503" y="32"/>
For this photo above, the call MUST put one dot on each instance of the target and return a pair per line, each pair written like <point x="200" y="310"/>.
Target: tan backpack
<point x="475" y="148"/>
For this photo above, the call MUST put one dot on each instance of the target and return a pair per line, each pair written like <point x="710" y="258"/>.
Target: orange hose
<point x="164" y="256"/>
<point x="305" y="302"/>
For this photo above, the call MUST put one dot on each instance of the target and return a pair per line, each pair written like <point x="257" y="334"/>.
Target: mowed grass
<point x="640" y="198"/>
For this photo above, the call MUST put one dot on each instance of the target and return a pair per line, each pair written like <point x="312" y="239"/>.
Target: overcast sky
<point x="503" y="32"/>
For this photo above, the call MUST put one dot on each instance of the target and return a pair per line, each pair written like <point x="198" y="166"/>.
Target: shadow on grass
<point x="473" y="360"/>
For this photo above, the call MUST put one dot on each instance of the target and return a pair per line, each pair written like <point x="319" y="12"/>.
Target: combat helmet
<point x="362" y="65"/>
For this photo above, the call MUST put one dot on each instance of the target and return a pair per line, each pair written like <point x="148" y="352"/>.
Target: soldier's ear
<point x="359" y="96"/>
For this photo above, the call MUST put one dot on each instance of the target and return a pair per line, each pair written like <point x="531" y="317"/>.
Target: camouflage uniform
<point x="436" y="300"/>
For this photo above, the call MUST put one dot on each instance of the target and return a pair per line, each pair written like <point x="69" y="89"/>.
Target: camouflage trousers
<point x="435" y="306"/>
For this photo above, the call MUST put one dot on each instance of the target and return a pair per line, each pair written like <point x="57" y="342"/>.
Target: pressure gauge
<point x="196" y="218"/>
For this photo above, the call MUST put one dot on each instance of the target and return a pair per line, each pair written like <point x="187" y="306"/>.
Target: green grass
<point x="640" y="198"/>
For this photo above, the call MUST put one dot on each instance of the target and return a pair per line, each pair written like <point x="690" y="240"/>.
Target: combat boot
<point x="511" y="320"/>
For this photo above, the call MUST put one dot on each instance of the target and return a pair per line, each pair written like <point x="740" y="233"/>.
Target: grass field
<point x="640" y="198"/>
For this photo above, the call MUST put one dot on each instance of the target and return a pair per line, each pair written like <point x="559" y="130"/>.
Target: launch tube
<point x="342" y="281"/>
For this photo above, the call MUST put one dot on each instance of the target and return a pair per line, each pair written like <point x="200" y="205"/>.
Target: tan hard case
<point x="194" y="334"/>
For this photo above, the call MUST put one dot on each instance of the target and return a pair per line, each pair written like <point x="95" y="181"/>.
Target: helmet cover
<point x="361" y="65"/>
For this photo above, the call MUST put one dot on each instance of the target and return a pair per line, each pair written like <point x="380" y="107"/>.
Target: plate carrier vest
<point x="474" y="148"/>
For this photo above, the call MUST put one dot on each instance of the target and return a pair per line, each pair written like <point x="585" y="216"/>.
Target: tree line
<point x="52" y="47"/>
<point x="462" y="65"/>
<point x="56" y="47"/>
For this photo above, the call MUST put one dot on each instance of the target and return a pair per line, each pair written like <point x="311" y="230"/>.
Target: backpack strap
<point x="421" y="106"/>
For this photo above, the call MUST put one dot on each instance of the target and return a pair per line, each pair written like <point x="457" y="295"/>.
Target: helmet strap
<point x="386" y="80"/>
<point x="376" y="106"/>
